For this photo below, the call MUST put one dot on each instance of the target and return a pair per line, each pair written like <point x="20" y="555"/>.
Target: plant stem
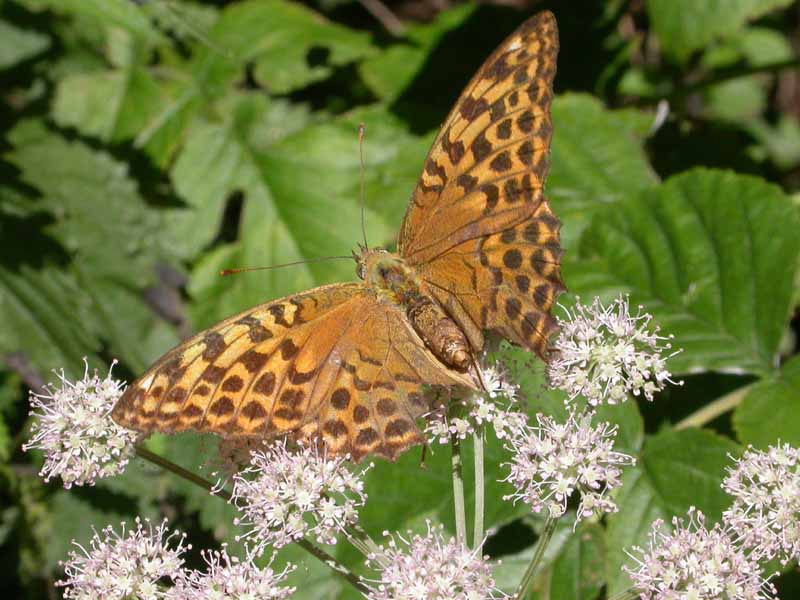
<point x="458" y="490"/>
<point x="364" y="543"/>
<point x="538" y="553"/>
<point x="630" y="594"/>
<point x="477" y="535"/>
<point x="320" y="554"/>
<point x="170" y="466"/>
<point x="714" y="409"/>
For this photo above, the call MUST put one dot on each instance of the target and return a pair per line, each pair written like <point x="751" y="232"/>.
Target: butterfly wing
<point x="478" y="229"/>
<point x="337" y="363"/>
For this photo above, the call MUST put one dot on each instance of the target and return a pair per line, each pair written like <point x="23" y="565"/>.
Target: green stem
<point x="458" y="490"/>
<point x="714" y="409"/>
<point x="538" y="553"/>
<point x="320" y="554"/>
<point x="477" y="536"/>
<point x="365" y="544"/>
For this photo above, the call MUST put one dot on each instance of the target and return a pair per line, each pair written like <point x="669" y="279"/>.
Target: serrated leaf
<point x="17" y="45"/>
<point x="290" y="45"/>
<point x="686" y="25"/>
<point x="98" y="212"/>
<point x="712" y="255"/>
<point x="676" y="470"/>
<point x="114" y="104"/>
<point x="109" y="13"/>
<point x="597" y="159"/>
<point x="768" y="413"/>
<point x="287" y="213"/>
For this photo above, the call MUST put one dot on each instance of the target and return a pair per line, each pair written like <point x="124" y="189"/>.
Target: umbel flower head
<point x="553" y="460"/>
<point x="696" y="563"/>
<point x="132" y="564"/>
<point x="766" y="508"/>
<point x="74" y="429"/>
<point x="605" y="353"/>
<point x="285" y="496"/>
<point x="431" y="567"/>
<point x="228" y="577"/>
<point x="497" y="406"/>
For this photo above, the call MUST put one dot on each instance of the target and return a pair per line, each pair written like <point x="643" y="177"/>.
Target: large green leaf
<point x="598" y="158"/>
<point x="290" y="45"/>
<point x="676" y="470"/>
<point x="577" y="571"/>
<point x="769" y="412"/>
<point x="107" y="13"/>
<point x="712" y="255"/>
<point x="17" y="45"/>
<point x="686" y="25"/>
<point x="300" y="201"/>
<point x="114" y="104"/>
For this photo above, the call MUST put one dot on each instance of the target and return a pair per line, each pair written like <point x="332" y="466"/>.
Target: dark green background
<point x="138" y="158"/>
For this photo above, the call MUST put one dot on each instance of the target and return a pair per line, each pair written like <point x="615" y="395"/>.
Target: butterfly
<point x="346" y="364"/>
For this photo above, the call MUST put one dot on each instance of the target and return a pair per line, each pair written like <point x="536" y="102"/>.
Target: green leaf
<point x="390" y="71"/>
<point x="768" y="413"/>
<point x="99" y="214"/>
<point x="18" y="45"/>
<point x="683" y="26"/>
<point x="43" y="314"/>
<point x="712" y="255"/>
<point x="598" y="158"/>
<point x="676" y="470"/>
<point x="109" y="13"/>
<point x="288" y="212"/>
<point x="115" y="104"/>
<point x="290" y="45"/>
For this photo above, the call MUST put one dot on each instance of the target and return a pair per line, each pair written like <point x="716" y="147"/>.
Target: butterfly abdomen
<point x="439" y="332"/>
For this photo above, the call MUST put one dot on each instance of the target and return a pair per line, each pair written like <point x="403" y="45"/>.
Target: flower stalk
<point x="458" y="489"/>
<point x="477" y="536"/>
<point x="536" y="560"/>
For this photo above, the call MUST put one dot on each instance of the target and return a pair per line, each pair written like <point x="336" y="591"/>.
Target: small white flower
<point x="497" y="405"/>
<point x="693" y="562"/>
<point x="431" y="567"/>
<point x="230" y="578"/>
<point x="766" y="506"/>
<point x="605" y="353"/>
<point x="128" y="564"/>
<point x="285" y="496"/>
<point x="553" y="460"/>
<point x="74" y="429"/>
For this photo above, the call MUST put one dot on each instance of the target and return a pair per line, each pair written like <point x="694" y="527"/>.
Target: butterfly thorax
<point x="397" y="282"/>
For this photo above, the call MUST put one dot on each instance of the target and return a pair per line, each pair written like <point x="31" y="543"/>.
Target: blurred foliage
<point x="147" y="145"/>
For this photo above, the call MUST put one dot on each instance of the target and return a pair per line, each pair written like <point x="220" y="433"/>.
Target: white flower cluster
<point x="74" y="430"/>
<point x="227" y="577"/>
<point x="553" y="460"/>
<point x="285" y="496"/>
<point x="605" y="353"/>
<point x="696" y="563"/>
<point x="465" y="416"/>
<point x="766" y="508"/>
<point x="133" y="564"/>
<point x="431" y="567"/>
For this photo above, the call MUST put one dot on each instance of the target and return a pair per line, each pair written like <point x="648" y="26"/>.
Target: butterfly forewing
<point x="478" y="229"/>
<point x="335" y="363"/>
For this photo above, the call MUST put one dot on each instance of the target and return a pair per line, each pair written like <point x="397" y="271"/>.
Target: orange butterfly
<point x="346" y="363"/>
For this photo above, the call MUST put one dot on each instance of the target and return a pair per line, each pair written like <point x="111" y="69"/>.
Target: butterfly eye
<point x="360" y="270"/>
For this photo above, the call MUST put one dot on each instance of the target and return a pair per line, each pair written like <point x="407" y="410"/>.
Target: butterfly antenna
<point x="361" y="160"/>
<point x="225" y="272"/>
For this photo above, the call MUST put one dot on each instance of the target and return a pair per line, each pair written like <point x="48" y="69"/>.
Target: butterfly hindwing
<point x="478" y="215"/>
<point x="335" y="363"/>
